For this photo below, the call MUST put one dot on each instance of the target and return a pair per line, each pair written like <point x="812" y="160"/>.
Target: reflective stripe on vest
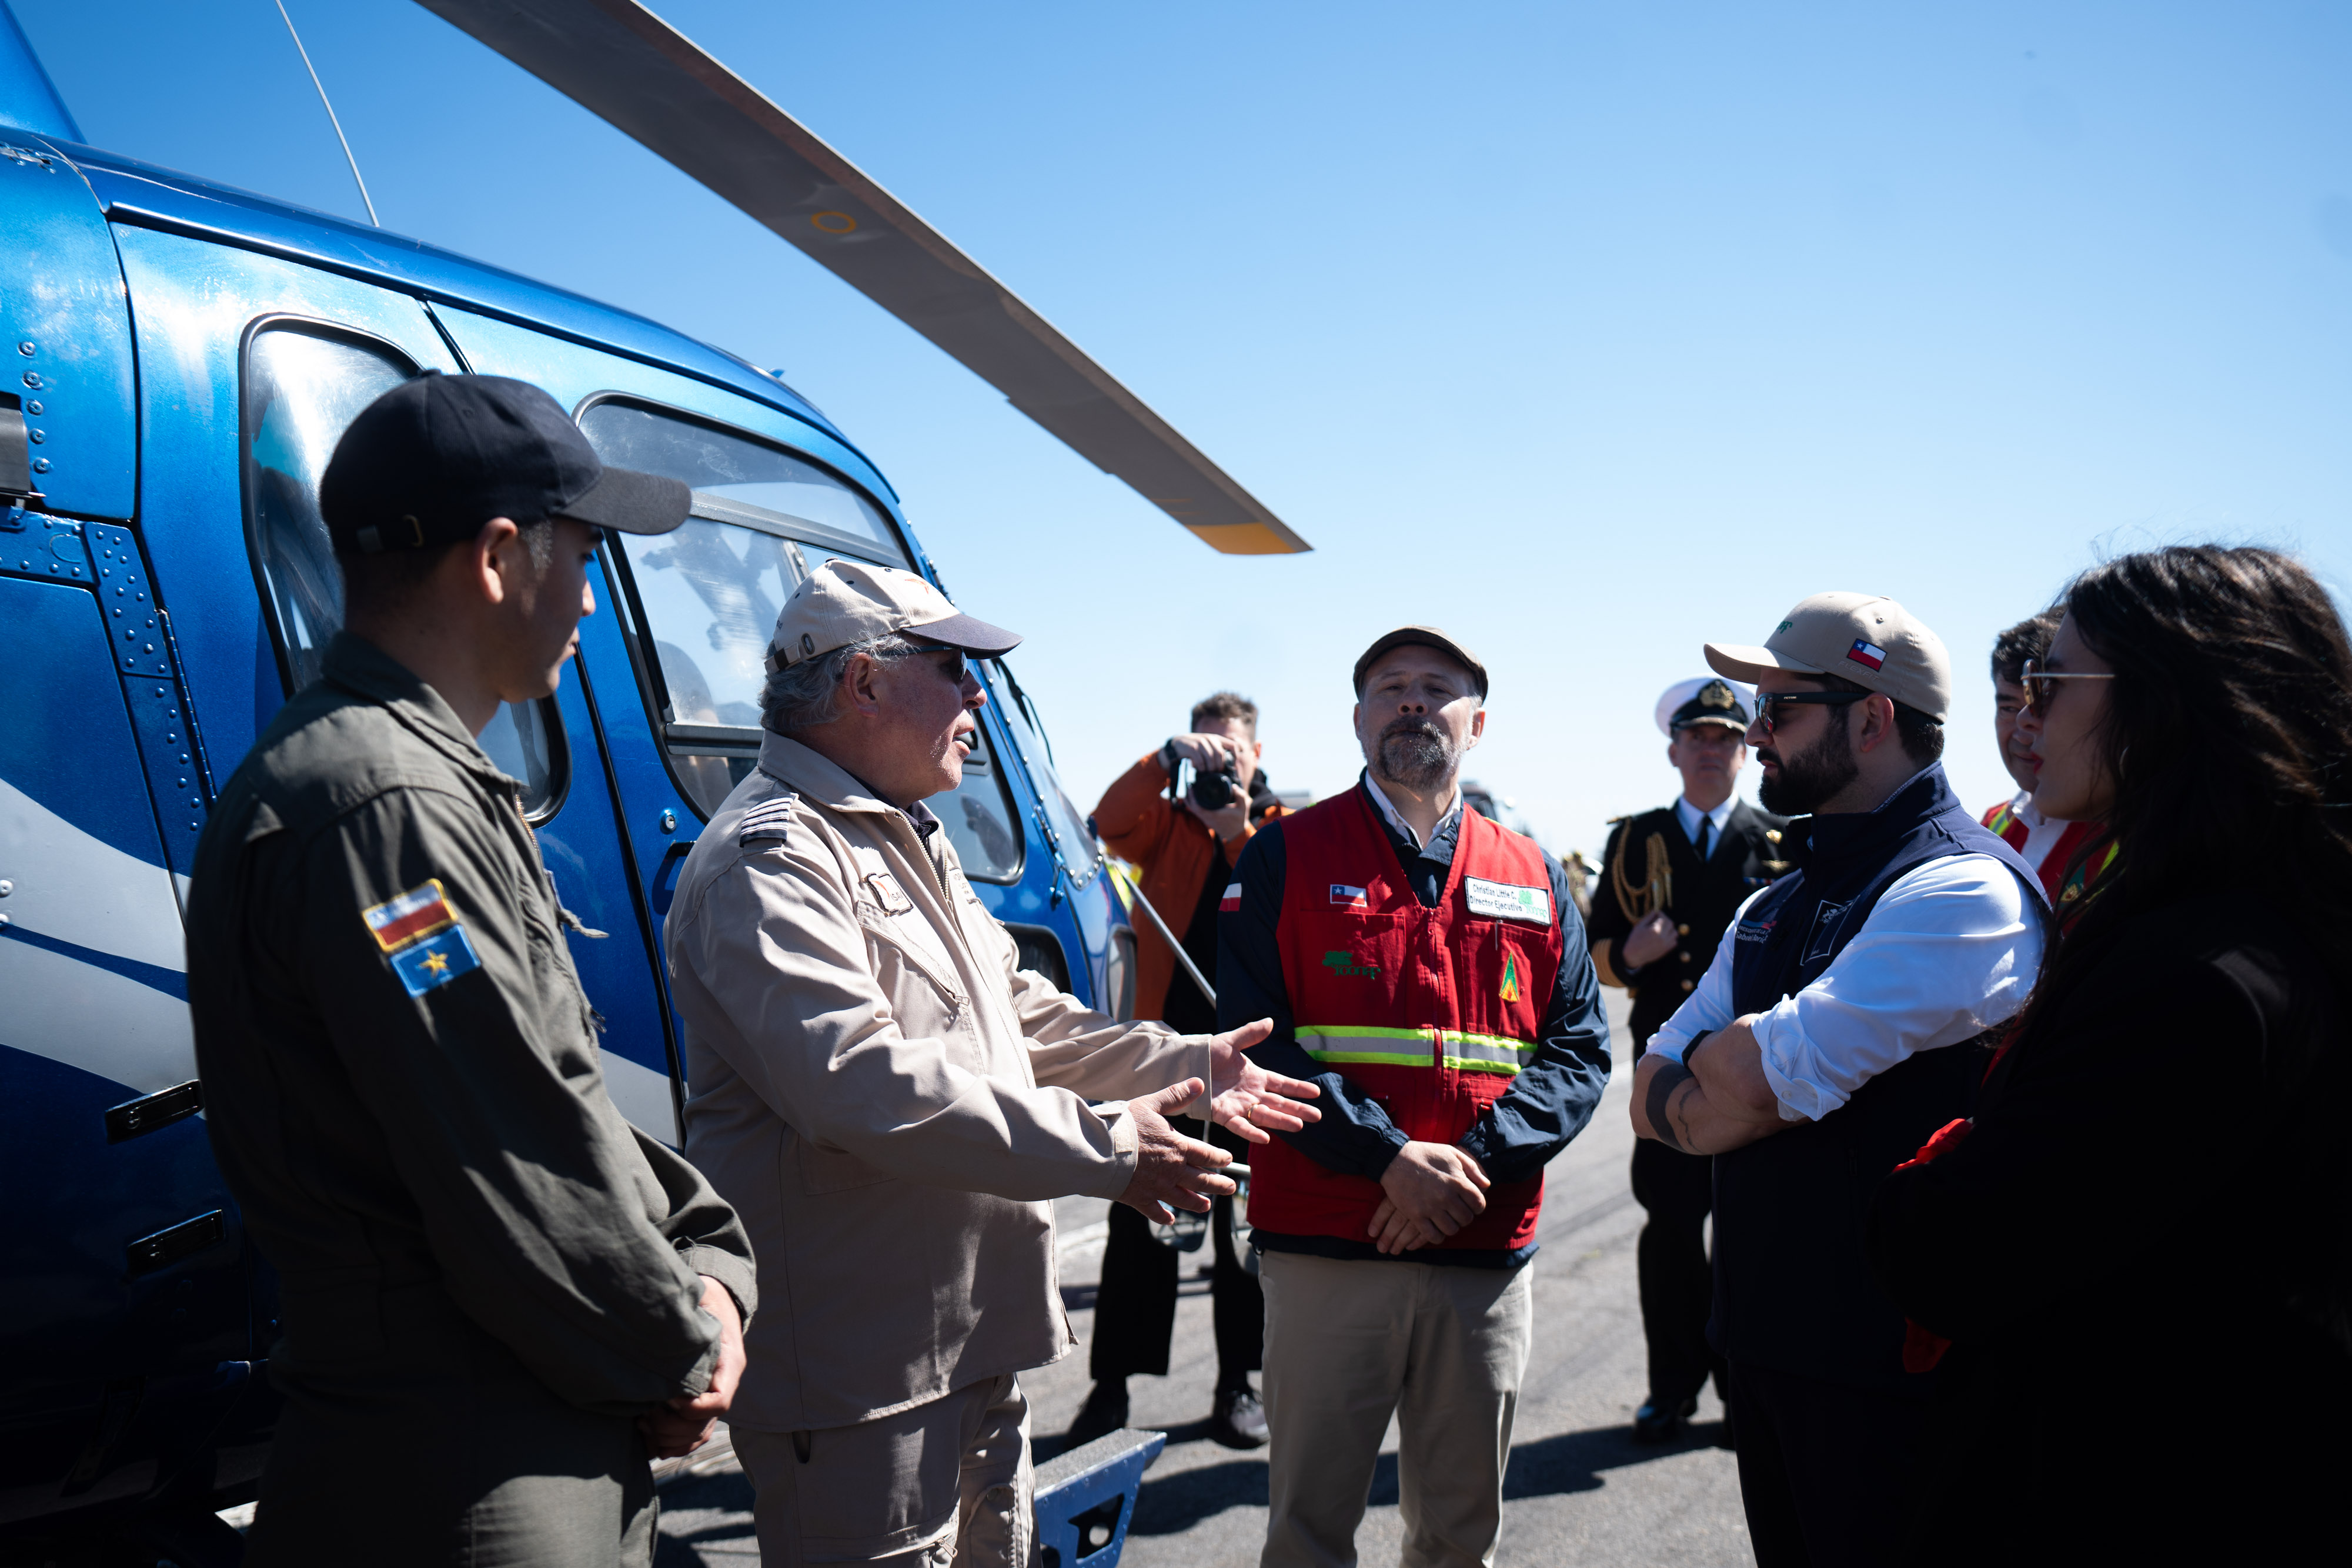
<point x="1463" y="1052"/>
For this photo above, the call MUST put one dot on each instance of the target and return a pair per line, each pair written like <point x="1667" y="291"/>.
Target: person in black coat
<point x="1661" y="907"/>
<point x="2132" y="1267"/>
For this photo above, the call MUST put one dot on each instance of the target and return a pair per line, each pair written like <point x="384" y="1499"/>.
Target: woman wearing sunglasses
<point x="2138" y="1250"/>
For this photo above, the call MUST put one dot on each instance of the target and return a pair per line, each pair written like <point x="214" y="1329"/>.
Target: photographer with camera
<point x="1181" y="815"/>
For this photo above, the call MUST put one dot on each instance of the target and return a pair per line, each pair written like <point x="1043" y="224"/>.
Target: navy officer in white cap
<point x="1670" y="879"/>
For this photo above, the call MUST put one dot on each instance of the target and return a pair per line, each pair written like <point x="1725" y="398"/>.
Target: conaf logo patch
<point x="1344" y="964"/>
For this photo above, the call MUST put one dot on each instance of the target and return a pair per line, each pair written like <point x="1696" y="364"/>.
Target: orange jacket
<point x="1138" y="824"/>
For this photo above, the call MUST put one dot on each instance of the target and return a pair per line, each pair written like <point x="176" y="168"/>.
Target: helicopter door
<point x="127" y="1317"/>
<point x="249" y="367"/>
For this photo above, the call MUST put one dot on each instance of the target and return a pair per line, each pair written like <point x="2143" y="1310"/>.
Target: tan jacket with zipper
<point x="890" y="1103"/>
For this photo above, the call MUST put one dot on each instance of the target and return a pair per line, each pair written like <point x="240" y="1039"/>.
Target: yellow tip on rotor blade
<point x="1244" y="538"/>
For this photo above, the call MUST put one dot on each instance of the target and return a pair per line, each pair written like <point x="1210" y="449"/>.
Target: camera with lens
<point x="1215" y="791"/>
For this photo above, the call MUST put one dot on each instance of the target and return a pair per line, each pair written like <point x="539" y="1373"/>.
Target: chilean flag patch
<point x="1869" y="654"/>
<point x="420" y="911"/>
<point x="1232" y="901"/>
<point x="1346" y="898"/>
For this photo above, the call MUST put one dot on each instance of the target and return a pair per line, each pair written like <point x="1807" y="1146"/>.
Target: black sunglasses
<point x="953" y="668"/>
<point x="1766" y="701"/>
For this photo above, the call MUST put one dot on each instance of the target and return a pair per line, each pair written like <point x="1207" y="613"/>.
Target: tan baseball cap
<point x="846" y="601"/>
<point x="1425" y="637"/>
<point x="1865" y="638"/>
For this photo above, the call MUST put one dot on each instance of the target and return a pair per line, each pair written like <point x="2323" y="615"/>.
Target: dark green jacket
<point x="415" y="1123"/>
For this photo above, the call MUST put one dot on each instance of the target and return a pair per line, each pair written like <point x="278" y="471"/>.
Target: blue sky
<point x="1591" y="333"/>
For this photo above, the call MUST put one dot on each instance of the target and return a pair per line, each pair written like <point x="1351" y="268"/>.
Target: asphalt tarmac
<point x="1578" y="1490"/>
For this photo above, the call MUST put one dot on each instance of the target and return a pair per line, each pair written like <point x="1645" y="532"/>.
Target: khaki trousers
<point x="1348" y="1345"/>
<point x="944" y="1485"/>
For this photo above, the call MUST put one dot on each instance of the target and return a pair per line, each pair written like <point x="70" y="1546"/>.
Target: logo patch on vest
<point x="1508" y="901"/>
<point x="1825" y="929"/>
<point x="1232" y="901"/>
<point x="1754" y="930"/>
<point x="1344" y="964"/>
<point x="1346" y="898"/>
<point x="1510" y="987"/>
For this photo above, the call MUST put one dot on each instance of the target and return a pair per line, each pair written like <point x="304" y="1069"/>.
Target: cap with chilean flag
<point x="1865" y="638"/>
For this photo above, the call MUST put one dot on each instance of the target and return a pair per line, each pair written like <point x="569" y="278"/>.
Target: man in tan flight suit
<point x="892" y="1104"/>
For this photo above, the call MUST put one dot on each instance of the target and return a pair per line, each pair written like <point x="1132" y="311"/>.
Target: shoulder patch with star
<point x="419" y="933"/>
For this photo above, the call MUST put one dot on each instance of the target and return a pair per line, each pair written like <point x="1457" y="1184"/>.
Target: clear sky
<point x="1589" y="331"/>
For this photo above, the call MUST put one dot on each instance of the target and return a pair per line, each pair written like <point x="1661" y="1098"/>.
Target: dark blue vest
<point x="1791" y="1289"/>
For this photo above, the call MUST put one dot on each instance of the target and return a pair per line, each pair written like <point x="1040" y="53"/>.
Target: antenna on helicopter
<point x="330" y="113"/>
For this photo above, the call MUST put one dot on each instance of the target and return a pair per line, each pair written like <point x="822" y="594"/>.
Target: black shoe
<point x="1656" y="1422"/>
<point x="1238" y="1420"/>
<point x="1103" y="1412"/>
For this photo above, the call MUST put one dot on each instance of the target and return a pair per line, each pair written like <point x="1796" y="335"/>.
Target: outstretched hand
<point x="1172" y="1171"/>
<point x="1246" y="1099"/>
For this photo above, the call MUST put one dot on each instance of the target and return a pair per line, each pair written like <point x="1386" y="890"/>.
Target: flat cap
<point x="1426" y="637"/>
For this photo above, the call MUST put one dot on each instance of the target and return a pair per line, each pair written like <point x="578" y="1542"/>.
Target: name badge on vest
<point x="1508" y="901"/>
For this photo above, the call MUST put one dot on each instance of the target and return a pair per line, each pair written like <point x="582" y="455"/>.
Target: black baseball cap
<point x="434" y="458"/>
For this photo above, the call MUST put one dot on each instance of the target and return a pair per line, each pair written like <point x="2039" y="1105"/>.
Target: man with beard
<point x="1673" y="878"/>
<point x="1426" y="969"/>
<point x="1843" y="1024"/>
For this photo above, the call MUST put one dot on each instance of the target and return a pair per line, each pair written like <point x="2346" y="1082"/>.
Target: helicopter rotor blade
<point x="622" y="62"/>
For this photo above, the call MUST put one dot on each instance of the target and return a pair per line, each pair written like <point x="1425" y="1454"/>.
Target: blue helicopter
<point x="180" y="357"/>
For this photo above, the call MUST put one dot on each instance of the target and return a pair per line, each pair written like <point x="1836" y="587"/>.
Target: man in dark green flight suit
<point x="498" y="1297"/>
<point x="1670" y="882"/>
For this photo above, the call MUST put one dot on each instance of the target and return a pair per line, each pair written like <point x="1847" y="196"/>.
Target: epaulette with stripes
<point x="767" y="820"/>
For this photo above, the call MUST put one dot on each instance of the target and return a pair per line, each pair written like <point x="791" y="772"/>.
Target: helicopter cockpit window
<point x="706" y="599"/>
<point x="303" y="386"/>
<point x="735" y="475"/>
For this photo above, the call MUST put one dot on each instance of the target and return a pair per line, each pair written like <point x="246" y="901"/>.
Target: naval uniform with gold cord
<point x="1653" y="862"/>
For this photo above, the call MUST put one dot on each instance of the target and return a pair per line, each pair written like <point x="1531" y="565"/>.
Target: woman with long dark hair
<point x="2138" y="1249"/>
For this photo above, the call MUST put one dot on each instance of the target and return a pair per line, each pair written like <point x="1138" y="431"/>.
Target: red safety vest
<point x="1431" y="1011"/>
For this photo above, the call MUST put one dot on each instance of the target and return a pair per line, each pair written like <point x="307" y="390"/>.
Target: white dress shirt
<point x="1400" y="824"/>
<point x="1949" y="951"/>
<point x="2042" y="834"/>
<point x="1688" y="816"/>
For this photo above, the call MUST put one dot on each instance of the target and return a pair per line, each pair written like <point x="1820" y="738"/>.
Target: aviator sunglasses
<point x="1768" y="701"/>
<point x="2039" y="687"/>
